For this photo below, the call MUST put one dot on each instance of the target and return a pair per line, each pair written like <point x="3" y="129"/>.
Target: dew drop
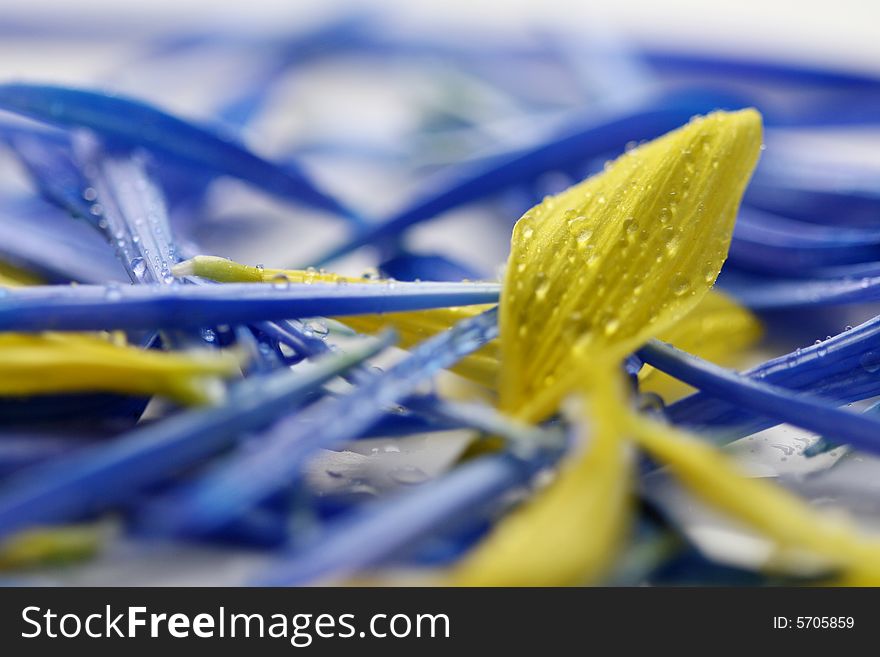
<point x="542" y="290"/>
<point x="408" y="475"/>
<point x="317" y="327"/>
<point x="113" y="293"/>
<point x="680" y="284"/>
<point x="139" y="267"/>
<point x="583" y="238"/>
<point x="280" y="282"/>
<point x="709" y="272"/>
<point x="611" y="326"/>
<point x="870" y="361"/>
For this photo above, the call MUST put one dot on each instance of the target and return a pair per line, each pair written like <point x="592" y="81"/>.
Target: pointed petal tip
<point x="185" y="268"/>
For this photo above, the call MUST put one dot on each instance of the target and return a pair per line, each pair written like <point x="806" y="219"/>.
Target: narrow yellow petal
<point x="50" y="546"/>
<point x="11" y="276"/>
<point x="411" y="327"/>
<point x="618" y="258"/>
<point x="44" y="363"/>
<point x="415" y="327"/>
<point x="569" y="533"/>
<point x="797" y="529"/>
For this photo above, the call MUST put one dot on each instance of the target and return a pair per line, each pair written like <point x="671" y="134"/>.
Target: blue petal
<point x="578" y="144"/>
<point x="421" y="267"/>
<point x="97" y="307"/>
<point x="134" y="123"/>
<point x="840" y="370"/>
<point x="788" y="294"/>
<point x="779" y="404"/>
<point x="775" y="244"/>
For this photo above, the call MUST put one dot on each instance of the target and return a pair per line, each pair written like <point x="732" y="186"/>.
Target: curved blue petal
<point x="578" y="144"/>
<point x="131" y="122"/>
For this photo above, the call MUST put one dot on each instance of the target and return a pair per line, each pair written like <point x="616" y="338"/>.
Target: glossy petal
<point x="97" y="307"/>
<point x="802" y="410"/>
<point x="606" y="264"/>
<point x="52" y="363"/>
<point x="569" y="533"/>
<point x="601" y="253"/>
<point x="249" y="476"/>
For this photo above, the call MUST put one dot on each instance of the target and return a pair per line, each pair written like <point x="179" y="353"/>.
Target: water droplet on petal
<point x="870" y="361"/>
<point x="280" y="281"/>
<point x="317" y="327"/>
<point x="408" y="475"/>
<point x="139" y="267"/>
<point x="113" y="293"/>
<point x="680" y="284"/>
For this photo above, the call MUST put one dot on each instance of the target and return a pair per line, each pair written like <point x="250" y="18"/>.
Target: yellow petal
<point x="51" y="545"/>
<point x="797" y="529"/>
<point x="11" y="276"/>
<point x="592" y="274"/>
<point x="718" y="329"/>
<point x="617" y="259"/>
<point x="45" y="363"/>
<point x="569" y="533"/>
